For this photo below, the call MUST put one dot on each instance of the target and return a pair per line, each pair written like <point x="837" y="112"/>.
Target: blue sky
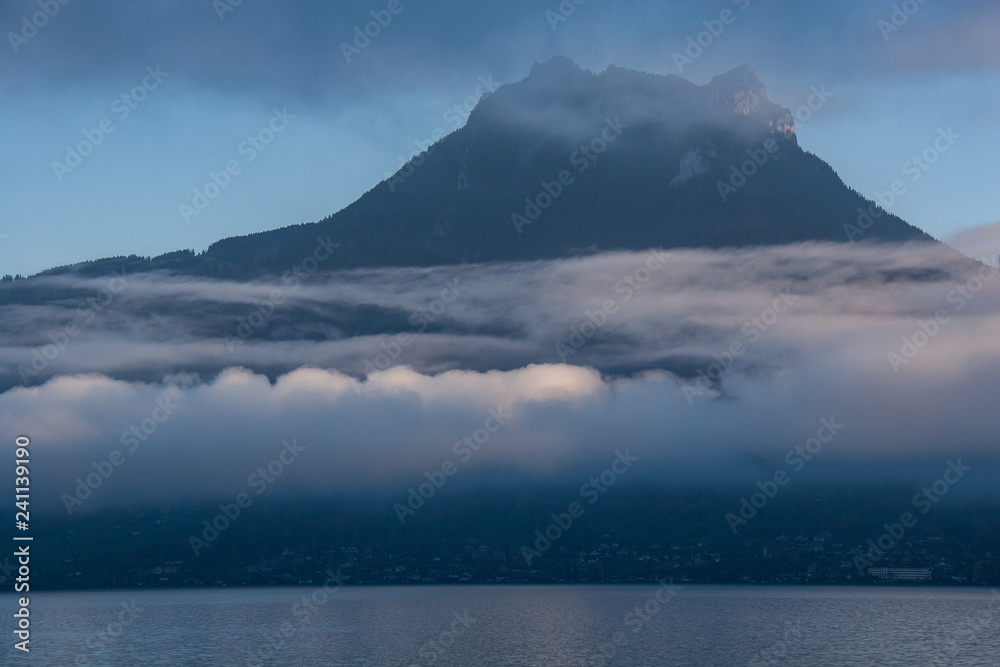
<point x="345" y="124"/>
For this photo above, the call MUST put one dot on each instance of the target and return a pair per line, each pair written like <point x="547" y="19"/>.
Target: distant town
<point x="803" y="559"/>
<point x="301" y="545"/>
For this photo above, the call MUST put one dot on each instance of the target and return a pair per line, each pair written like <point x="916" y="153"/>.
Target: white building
<point x="900" y="573"/>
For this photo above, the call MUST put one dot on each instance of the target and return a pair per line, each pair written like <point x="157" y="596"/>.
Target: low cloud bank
<point x="710" y="366"/>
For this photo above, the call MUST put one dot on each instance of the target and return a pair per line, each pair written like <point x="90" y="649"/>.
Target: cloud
<point x="481" y="317"/>
<point x="941" y="39"/>
<point x="711" y="364"/>
<point x="297" y="54"/>
<point x="979" y="242"/>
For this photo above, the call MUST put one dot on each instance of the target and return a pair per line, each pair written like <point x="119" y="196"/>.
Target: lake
<point x="554" y="626"/>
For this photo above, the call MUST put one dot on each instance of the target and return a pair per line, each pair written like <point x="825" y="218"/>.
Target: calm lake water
<point x="554" y="626"/>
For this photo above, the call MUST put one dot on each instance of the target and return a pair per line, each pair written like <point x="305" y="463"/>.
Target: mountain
<point x="567" y="161"/>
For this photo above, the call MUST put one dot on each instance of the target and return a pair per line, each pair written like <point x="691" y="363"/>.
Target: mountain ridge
<point x="659" y="180"/>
